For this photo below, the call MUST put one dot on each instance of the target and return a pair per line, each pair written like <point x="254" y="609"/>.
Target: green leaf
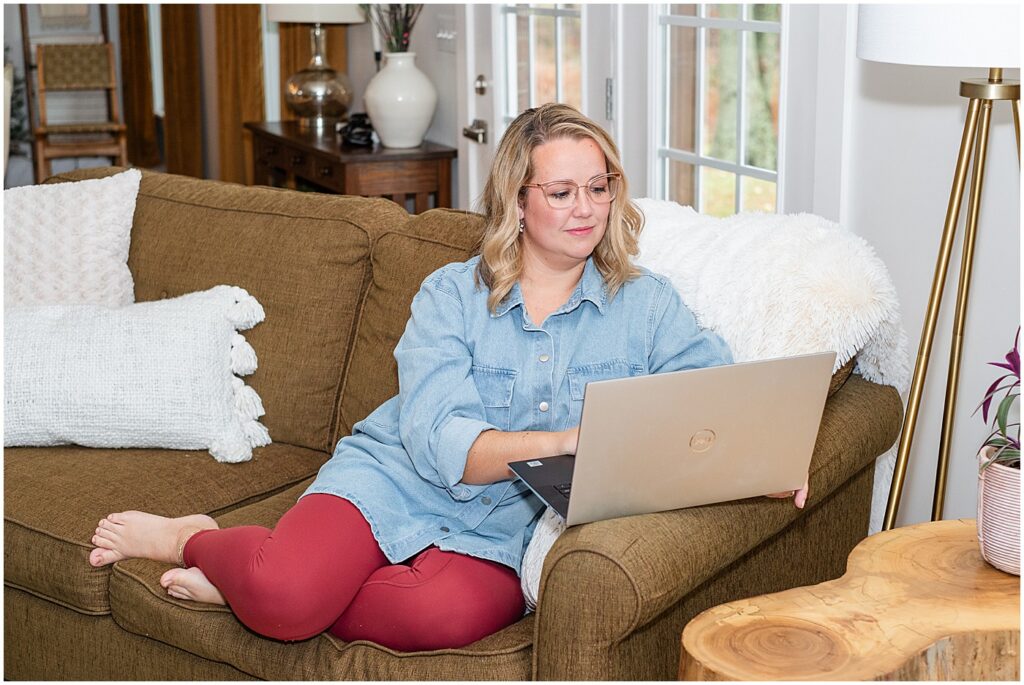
<point x="1004" y="411"/>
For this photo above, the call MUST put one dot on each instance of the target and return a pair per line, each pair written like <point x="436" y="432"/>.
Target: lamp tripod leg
<point x="1016" y="125"/>
<point x="931" y="316"/>
<point x="960" y="315"/>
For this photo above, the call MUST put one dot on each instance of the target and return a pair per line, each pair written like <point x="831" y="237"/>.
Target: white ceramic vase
<point x="400" y="100"/>
<point x="999" y="514"/>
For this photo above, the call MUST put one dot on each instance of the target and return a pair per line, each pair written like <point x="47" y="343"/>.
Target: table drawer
<point x="326" y="173"/>
<point x="393" y="178"/>
<point x="268" y="152"/>
<point x="298" y="162"/>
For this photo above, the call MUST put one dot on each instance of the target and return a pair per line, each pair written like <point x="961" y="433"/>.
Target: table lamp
<point x="318" y="94"/>
<point x="947" y="36"/>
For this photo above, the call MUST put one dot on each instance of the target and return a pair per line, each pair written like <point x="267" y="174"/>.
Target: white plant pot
<point x="999" y="514"/>
<point x="400" y="100"/>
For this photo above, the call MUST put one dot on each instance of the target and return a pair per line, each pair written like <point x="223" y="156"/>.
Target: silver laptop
<point x="686" y="438"/>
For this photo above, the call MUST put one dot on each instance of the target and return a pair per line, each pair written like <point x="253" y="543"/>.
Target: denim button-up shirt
<point x="463" y="370"/>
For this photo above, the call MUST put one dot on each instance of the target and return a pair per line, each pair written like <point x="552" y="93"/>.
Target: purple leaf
<point x="1013" y="356"/>
<point x="989" y="394"/>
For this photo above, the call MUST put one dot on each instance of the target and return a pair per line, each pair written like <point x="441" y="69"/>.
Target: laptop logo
<point x="702" y="440"/>
<point x="534" y="464"/>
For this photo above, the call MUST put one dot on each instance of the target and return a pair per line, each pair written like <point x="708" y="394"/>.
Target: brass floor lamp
<point x="960" y="36"/>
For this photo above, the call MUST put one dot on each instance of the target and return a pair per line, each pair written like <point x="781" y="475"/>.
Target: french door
<point x="520" y="56"/>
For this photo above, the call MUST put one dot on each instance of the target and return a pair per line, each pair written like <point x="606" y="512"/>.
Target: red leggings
<point x="321" y="569"/>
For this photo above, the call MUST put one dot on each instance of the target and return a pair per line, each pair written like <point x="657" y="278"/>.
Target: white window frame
<point x="658" y="172"/>
<point x="510" y="98"/>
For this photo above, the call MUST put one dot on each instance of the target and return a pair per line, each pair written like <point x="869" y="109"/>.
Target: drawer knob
<point x="326" y="171"/>
<point x="297" y="159"/>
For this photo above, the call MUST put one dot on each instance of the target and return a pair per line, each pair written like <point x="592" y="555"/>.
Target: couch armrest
<point x="604" y="581"/>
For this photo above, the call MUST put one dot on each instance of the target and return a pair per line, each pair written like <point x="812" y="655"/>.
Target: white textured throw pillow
<point x="67" y="243"/>
<point x="153" y="374"/>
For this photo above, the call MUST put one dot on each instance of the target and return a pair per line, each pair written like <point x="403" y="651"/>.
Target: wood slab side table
<point x="916" y="603"/>
<point x="285" y="154"/>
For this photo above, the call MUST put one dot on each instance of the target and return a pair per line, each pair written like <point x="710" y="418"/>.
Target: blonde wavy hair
<point x="501" y="256"/>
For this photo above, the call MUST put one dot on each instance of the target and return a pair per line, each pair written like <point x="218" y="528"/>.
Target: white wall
<point x="901" y="138"/>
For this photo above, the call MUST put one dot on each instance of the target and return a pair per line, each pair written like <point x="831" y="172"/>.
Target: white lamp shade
<point x="317" y="14"/>
<point x="940" y="35"/>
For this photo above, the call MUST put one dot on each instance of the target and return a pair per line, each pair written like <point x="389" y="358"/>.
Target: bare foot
<point x="191" y="583"/>
<point x="130" y="534"/>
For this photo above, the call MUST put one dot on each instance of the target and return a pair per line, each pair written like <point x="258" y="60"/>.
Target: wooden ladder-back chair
<point x="86" y="67"/>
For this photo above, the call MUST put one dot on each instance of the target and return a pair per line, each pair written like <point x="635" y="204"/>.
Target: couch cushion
<point x="304" y="256"/>
<point x="54" y="497"/>
<point x="401" y="260"/>
<point x="141" y="606"/>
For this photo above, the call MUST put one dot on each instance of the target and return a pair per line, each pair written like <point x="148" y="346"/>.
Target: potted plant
<point x="999" y="468"/>
<point x="400" y="99"/>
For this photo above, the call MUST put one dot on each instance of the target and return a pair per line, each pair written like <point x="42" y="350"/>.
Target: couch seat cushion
<point x="54" y="497"/>
<point x="140" y="605"/>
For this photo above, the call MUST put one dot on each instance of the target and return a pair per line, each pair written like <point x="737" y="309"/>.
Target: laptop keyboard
<point x="563" y="489"/>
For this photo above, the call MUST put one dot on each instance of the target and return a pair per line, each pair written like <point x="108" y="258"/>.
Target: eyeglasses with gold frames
<point x="601" y="190"/>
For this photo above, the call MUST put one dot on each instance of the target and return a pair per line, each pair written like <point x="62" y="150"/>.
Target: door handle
<point x="476" y="131"/>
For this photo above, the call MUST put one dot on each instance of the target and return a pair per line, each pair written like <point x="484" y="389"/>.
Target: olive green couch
<point x="335" y="276"/>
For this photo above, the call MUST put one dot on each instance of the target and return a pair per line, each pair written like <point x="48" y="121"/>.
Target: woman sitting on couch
<point x="412" y="535"/>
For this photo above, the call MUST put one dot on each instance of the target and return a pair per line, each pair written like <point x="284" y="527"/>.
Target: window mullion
<point x="663" y="113"/>
<point x="558" y="59"/>
<point x="698" y="119"/>
<point x="529" y="59"/>
<point x="741" y="99"/>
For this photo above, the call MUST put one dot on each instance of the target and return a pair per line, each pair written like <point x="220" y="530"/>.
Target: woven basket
<point x="999" y="515"/>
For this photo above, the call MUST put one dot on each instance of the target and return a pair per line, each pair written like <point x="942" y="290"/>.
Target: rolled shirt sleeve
<point x="441" y="413"/>
<point x="676" y="342"/>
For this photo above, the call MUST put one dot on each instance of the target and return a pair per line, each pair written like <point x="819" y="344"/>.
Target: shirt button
<point x="485" y="500"/>
<point x="544" y="357"/>
<point x="444" y="529"/>
<point x="543" y="406"/>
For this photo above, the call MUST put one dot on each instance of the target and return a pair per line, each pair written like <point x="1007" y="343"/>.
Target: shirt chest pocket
<point x="495" y="387"/>
<point x="579" y="376"/>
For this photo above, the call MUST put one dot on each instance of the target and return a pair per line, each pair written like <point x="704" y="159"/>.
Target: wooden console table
<point x="286" y="155"/>
<point x="916" y="603"/>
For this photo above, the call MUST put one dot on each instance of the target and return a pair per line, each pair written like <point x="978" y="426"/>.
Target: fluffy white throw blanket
<point x="772" y="286"/>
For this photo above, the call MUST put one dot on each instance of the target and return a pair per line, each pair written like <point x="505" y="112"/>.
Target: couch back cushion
<point x="304" y="256"/>
<point x="401" y="260"/>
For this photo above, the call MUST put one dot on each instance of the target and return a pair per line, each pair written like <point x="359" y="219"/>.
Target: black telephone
<point x="358" y="130"/>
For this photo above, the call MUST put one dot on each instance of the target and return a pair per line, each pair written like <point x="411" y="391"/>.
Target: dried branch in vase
<point x="395" y="23"/>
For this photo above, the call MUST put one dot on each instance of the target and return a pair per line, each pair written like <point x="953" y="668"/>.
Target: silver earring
<point x="522" y="225"/>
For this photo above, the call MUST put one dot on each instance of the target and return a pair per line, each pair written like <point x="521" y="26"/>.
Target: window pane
<point x="766" y="12"/>
<point x="717" y="192"/>
<point x="523" y="65"/>
<point x="724" y="11"/>
<point x="682" y="87"/>
<point x="720" y="60"/>
<point x="762" y="99"/>
<point x="685" y="10"/>
<point x="680" y="182"/>
<point x="758" y="195"/>
<point x="543" y="60"/>
<point x="572" y="74"/>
